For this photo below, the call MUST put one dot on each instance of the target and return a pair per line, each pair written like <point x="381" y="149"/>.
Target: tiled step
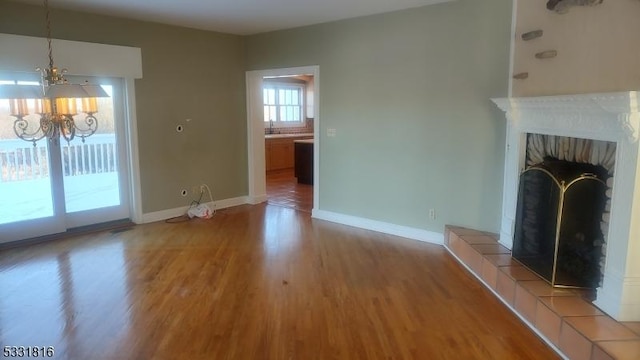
<point x="565" y="317"/>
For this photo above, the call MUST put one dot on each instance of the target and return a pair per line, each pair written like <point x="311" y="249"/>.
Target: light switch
<point x="331" y="132"/>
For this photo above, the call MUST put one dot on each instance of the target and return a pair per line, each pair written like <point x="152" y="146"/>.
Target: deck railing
<point x="20" y="160"/>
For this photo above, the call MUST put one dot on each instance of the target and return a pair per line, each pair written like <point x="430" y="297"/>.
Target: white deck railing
<point x="20" y="160"/>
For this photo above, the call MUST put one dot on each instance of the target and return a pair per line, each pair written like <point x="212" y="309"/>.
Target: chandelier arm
<point x="91" y="127"/>
<point x="21" y="126"/>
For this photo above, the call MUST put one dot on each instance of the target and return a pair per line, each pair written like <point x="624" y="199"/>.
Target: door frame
<point x="255" y="131"/>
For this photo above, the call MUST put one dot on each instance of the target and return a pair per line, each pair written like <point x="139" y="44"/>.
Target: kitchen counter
<point x="285" y="136"/>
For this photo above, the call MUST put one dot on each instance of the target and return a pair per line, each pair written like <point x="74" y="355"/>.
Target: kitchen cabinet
<point x="279" y="151"/>
<point x="304" y="161"/>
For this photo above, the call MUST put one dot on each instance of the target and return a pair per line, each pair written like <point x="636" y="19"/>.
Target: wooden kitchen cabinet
<point x="303" y="150"/>
<point x="279" y="152"/>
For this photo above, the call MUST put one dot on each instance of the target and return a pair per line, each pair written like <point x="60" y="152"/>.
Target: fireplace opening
<point x="599" y="129"/>
<point x="558" y="230"/>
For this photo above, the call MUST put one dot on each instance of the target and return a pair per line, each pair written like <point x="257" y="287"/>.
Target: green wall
<point x="409" y="95"/>
<point x="187" y="74"/>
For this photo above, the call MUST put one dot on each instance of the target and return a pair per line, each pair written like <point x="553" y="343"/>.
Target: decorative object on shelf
<point x="530" y="35"/>
<point x="521" y="76"/>
<point x="55" y="100"/>
<point x="548" y="54"/>
<point x="562" y="6"/>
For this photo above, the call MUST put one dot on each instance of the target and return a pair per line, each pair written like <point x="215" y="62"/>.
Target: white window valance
<point x="25" y="53"/>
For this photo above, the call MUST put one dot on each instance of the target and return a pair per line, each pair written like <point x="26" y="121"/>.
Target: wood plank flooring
<point x="283" y="190"/>
<point x="253" y="282"/>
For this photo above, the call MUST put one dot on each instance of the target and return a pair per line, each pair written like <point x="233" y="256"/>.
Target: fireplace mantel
<point x="611" y="117"/>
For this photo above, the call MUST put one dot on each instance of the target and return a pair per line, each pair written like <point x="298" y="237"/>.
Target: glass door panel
<point x="93" y="170"/>
<point x="54" y="185"/>
<point x="25" y="182"/>
<point x="91" y="166"/>
<point x="27" y="193"/>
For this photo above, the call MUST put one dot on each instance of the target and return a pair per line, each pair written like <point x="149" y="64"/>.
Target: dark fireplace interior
<point x="558" y="231"/>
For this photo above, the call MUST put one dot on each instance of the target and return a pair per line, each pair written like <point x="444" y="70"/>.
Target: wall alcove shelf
<point x="521" y="76"/>
<point x="548" y="54"/>
<point x="532" y="35"/>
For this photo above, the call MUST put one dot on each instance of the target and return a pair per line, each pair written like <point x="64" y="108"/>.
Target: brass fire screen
<point x="558" y="222"/>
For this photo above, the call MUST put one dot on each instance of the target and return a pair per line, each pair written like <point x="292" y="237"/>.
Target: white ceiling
<point x="242" y="17"/>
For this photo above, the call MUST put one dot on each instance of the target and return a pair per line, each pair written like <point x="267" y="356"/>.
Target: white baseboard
<point x="171" y="213"/>
<point x="368" y="224"/>
<point x="379" y="226"/>
<point x="254" y="200"/>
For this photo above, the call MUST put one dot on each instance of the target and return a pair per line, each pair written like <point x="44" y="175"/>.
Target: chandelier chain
<point x="48" y="18"/>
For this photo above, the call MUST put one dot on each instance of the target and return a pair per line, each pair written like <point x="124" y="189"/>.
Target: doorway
<point x="50" y="186"/>
<point x="283" y="180"/>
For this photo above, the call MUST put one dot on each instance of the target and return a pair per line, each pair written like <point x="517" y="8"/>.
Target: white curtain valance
<point x="25" y="53"/>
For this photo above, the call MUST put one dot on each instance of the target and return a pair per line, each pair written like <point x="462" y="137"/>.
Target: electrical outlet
<point x="432" y="214"/>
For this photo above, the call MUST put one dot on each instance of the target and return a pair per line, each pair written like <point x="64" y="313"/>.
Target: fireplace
<point x="558" y="233"/>
<point x="611" y="118"/>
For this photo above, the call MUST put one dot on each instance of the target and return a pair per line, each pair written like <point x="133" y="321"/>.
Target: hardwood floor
<point x="253" y="282"/>
<point x="284" y="190"/>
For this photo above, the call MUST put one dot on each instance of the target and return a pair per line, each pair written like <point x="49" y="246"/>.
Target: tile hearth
<point x="566" y="318"/>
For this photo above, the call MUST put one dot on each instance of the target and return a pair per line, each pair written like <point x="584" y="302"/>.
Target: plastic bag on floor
<point x="202" y="211"/>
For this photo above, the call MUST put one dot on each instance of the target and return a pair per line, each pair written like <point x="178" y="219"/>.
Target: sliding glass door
<point x="94" y="172"/>
<point x="52" y="186"/>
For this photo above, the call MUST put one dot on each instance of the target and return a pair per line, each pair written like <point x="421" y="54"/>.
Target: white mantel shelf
<point x="611" y="117"/>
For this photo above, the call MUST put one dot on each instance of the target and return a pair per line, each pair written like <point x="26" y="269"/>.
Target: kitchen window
<point x="283" y="104"/>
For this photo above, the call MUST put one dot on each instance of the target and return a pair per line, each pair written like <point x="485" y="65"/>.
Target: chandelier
<point x="56" y="101"/>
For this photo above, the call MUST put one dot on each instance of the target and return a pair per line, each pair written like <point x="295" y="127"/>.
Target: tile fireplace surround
<point x="611" y="117"/>
<point x="563" y="317"/>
